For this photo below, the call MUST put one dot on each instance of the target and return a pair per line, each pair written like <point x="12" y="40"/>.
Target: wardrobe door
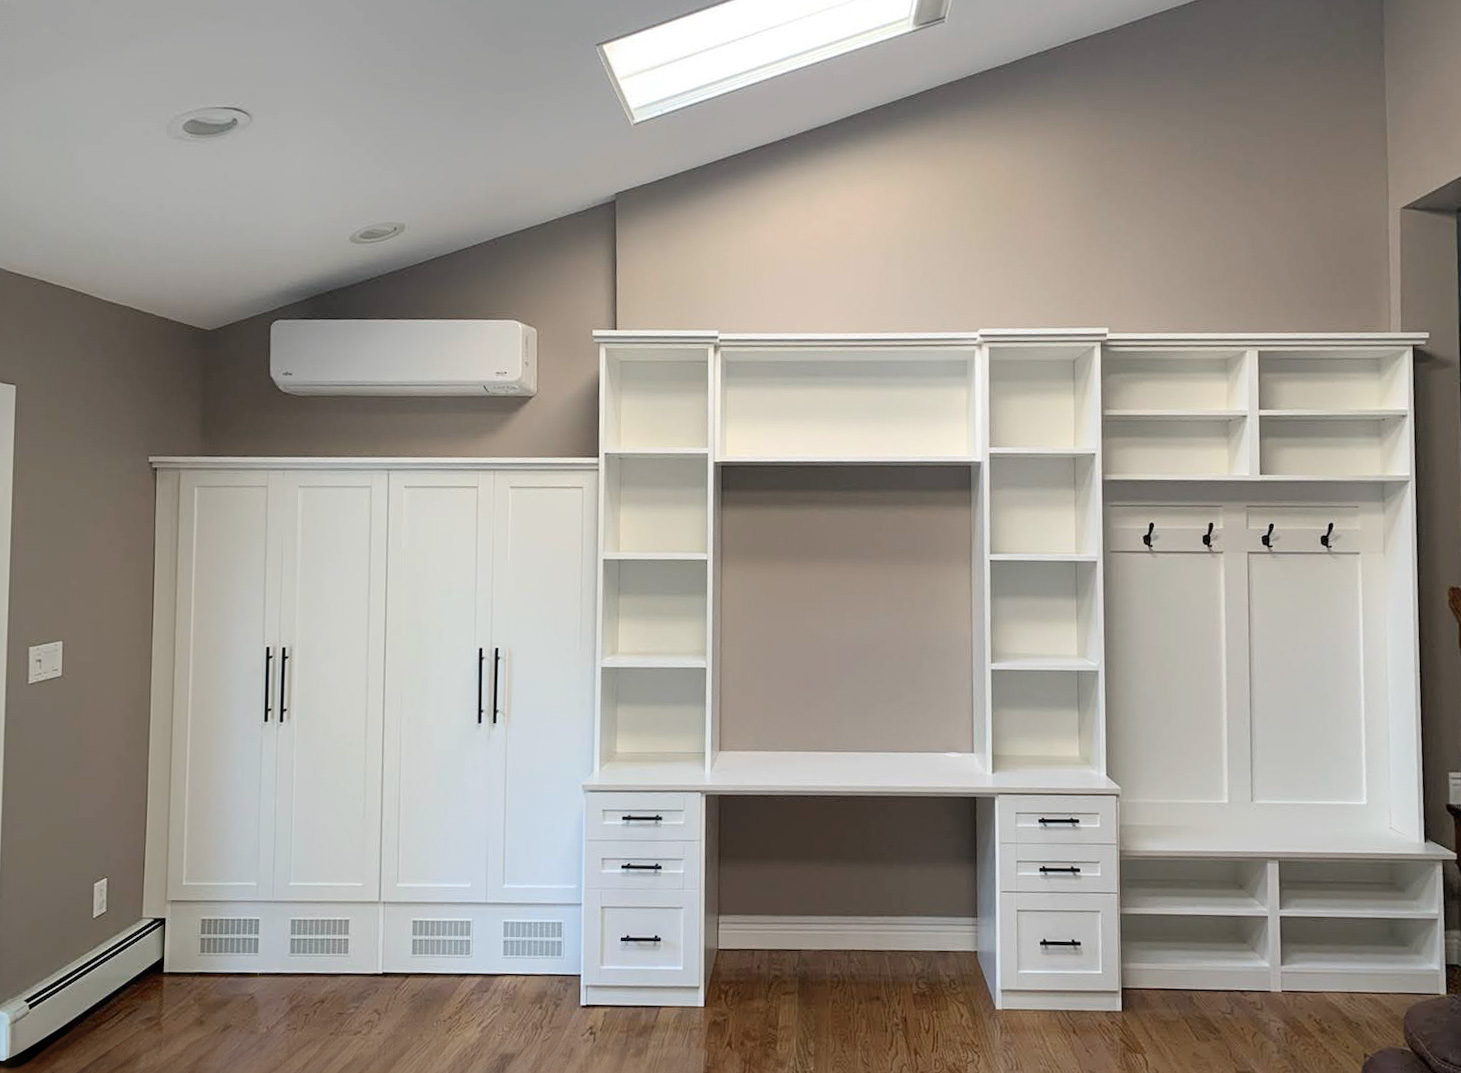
<point x="225" y="714"/>
<point x="543" y="602"/>
<point x="331" y="680"/>
<point x="438" y="677"/>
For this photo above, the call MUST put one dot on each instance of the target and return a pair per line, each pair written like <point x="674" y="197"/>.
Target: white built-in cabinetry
<point x="1194" y="569"/>
<point x="381" y="687"/>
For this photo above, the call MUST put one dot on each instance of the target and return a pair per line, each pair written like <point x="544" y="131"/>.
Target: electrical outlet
<point x="1453" y="787"/>
<point x="98" y="898"/>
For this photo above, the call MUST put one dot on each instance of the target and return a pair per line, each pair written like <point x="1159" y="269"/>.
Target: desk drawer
<point x="1059" y="942"/>
<point x="641" y="938"/>
<point x="1056" y="819"/>
<point x="654" y="817"/>
<point x="1065" y="869"/>
<point x="643" y="865"/>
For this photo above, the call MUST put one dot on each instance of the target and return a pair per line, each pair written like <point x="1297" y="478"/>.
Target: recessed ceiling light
<point x="203" y="123"/>
<point x="740" y="42"/>
<point x="376" y="233"/>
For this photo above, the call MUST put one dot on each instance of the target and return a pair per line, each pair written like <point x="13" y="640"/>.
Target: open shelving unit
<point x="656" y="526"/>
<point x="1043" y="518"/>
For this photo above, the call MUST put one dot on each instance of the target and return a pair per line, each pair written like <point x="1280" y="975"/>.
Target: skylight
<point x="741" y="42"/>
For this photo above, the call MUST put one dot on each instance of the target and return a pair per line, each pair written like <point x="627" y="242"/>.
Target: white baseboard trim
<point x="64" y="996"/>
<point x="1453" y="947"/>
<point x="848" y="933"/>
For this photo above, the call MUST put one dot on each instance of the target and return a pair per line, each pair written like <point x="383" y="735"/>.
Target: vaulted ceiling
<point x="463" y="119"/>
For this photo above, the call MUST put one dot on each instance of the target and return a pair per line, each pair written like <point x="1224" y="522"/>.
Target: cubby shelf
<point x="1176" y="415"/>
<point x="1042" y="452"/>
<point x="1333" y="415"/>
<point x="655" y="556"/>
<point x="651" y="661"/>
<point x="1378" y="902"/>
<point x="1191" y="900"/>
<point x="847" y="460"/>
<point x="1039" y="557"/>
<point x="1046" y="663"/>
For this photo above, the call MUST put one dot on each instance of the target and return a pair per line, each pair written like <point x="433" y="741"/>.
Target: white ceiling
<point x="465" y="119"/>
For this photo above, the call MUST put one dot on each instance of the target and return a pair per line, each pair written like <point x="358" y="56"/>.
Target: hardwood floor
<point x="769" y="1012"/>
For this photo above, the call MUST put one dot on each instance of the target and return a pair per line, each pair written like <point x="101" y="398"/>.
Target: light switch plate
<point x="44" y="662"/>
<point x="1453" y="787"/>
<point x="98" y="898"/>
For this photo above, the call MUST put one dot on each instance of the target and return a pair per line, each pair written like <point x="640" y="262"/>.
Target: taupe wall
<point x="845" y="607"/>
<point x="557" y="277"/>
<point x="1219" y="166"/>
<point x="99" y="388"/>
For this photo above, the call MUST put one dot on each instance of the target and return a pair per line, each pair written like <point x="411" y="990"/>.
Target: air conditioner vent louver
<point x="441" y="938"/>
<point x="319" y="937"/>
<point x="228" y="936"/>
<point x="532" y="938"/>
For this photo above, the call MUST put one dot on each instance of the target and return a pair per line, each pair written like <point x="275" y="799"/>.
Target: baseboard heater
<point x="58" y="1000"/>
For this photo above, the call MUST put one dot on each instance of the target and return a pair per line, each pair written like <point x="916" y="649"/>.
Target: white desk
<point x="1048" y="913"/>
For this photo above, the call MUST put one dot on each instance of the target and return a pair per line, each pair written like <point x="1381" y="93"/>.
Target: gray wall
<point x="558" y="277"/>
<point x="99" y="388"/>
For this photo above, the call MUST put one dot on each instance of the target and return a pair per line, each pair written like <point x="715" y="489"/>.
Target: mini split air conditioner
<point x="404" y="357"/>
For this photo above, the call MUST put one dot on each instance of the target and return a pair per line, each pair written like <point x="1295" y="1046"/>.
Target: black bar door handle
<point x="268" y="682"/>
<point x="640" y="939"/>
<point x="1071" y="871"/>
<point x="496" y="681"/>
<point x="1046" y="821"/>
<point x="642" y="867"/>
<point x="283" y="681"/>
<point x="481" y="659"/>
<point x="627" y="818"/>
<point x="1073" y="944"/>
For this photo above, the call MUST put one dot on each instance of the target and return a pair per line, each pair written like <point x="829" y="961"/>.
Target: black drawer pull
<point x="642" y="867"/>
<point x="1071" y="871"/>
<point x="1073" y="944"/>
<point x="642" y="819"/>
<point x="1072" y="821"/>
<point x="640" y="939"/>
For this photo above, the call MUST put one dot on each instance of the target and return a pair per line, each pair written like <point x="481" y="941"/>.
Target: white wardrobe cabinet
<point x="373" y="714"/>
<point x="490" y="685"/>
<point x="278" y="686"/>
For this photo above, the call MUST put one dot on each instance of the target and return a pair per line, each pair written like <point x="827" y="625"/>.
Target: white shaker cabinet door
<point x="225" y="716"/>
<point x="543" y="600"/>
<point x="331" y="680"/>
<point x="438" y="680"/>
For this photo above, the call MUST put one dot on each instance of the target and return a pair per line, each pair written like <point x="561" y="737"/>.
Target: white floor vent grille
<point x="228" y="936"/>
<point x="532" y="938"/>
<point x="441" y="938"/>
<point x="319" y="937"/>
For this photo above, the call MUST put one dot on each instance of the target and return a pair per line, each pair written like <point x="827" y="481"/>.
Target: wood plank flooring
<point x="769" y="1012"/>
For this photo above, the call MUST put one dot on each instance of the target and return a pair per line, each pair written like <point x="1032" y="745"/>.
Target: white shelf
<point x="1193" y="900"/>
<point x="1195" y="951"/>
<point x="656" y="399"/>
<point x="652" y="662"/>
<point x="654" y="452"/>
<point x="1046" y="663"/>
<point x="1356" y="902"/>
<point x="1274" y="840"/>
<point x="655" y="504"/>
<point x="1254" y="478"/>
<point x="848" y="460"/>
<point x="1195" y="956"/>
<point x="654" y="607"/>
<point x="1036" y="557"/>
<point x="1042" y="452"/>
<point x="1176" y="415"/>
<point x="1333" y="415"/>
<point x="655" y="556"/>
<point x="1359" y="945"/>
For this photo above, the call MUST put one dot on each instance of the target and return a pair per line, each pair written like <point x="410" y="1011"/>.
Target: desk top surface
<point x="821" y="773"/>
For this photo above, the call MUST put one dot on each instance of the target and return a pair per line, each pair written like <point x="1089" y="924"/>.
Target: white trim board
<point x="56" y="1001"/>
<point x="7" y="484"/>
<point x="848" y="933"/>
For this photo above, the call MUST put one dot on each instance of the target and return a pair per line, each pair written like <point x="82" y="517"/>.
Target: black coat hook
<point x="1207" y="536"/>
<point x="1328" y="538"/>
<point x="1147" y="537"/>
<point x="1268" y="536"/>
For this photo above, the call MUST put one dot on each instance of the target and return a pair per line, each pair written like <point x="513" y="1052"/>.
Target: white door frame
<point x="7" y="479"/>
